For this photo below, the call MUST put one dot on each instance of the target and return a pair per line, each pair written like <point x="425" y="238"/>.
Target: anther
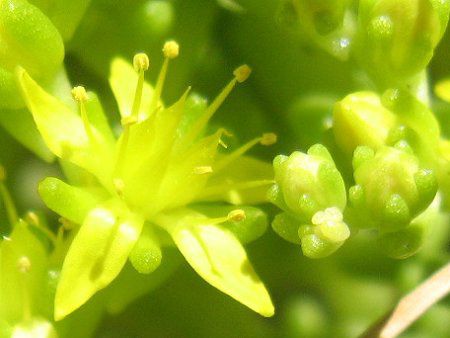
<point x="141" y="63"/>
<point x="171" y="49"/>
<point x="268" y="139"/>
<point x="128" y="120"/>
<point x="202" y="170"/>
<point x="79" y="94"/>
<point x="242" y="73"/>
<point x="237" y="215"/>
<point x="32" y="218"/>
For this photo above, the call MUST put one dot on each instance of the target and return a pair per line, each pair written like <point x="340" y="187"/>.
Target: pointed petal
<point x="219" y="258"/>
<point x="123" y="79"/>
<point x="96" y="256"/>
<point x="63" y="130"/>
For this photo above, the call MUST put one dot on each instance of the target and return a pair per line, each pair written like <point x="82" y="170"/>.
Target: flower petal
<point x="96" y="256"/>
<point x="123" y="79"/>
<point x="63" y="130"/>
<point x="219" y="258"/>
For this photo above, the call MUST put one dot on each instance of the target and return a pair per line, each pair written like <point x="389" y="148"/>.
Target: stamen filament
<point x="141" y="64"/>
<point x="8" y="202"/>
<point x="33" y="219"/>
<point x="170" y="51"/>
<point x="240" y="75"/>
<point x="266" y="139"/>
<point x="80" y="96"/>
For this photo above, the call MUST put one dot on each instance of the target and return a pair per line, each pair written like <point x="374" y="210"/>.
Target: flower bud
<point x="391" y="188"/>
<point x="396" y="39"/>
<point x="311" y="191"/>
<point x="360" y="119"/>
<point x="309" y="182"/>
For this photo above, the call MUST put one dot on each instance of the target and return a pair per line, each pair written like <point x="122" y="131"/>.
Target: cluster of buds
<point x="393" y="41"/>
<point x="311" y="192"/>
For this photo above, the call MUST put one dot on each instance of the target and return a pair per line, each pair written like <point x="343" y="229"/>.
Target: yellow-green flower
<point x="138" y="187"/>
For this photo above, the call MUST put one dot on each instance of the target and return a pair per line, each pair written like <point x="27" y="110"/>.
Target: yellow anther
<point x="2" y="173"/>
<point x="128" y="120"/>
<point x="171" y="49"/>
<point x="141" y="62"/>
<point x="242" y="73"/>
<point x="202" y="170"/>
<point x="268" y="139"/>
<point x="24" y="264"/>
<point x="237" y="215"/>
<point x="79" y="94"/>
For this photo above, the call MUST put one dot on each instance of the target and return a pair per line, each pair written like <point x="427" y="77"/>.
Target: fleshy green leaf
<point x="219" y="258"/>
<point x="96" y="256"/>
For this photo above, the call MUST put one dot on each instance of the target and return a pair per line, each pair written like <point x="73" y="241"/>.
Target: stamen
<point x="8" y="202"/>
<point x="202" y="170"/>
<point x="170" y="51"/>
<point x="80" y="96"/>
<point x="141" y="64"/>
<point x="240" y="75"/>
<point x="33" y="219"/>
<point x="237" y="215"/>
<point x="266" y="140"/>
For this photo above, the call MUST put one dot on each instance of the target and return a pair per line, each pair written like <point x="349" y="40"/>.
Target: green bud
<point x="312" y="193"/>
<point x="396" y="39"/>
<point x="360" y="119"/>
<point x="308" y="183"/>
<point x="286" y="227"/>
<point x="146" y="255"/>
<point x="391" y="188"/>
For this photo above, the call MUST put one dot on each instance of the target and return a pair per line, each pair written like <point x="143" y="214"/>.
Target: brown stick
<point x="412" y="306"/>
